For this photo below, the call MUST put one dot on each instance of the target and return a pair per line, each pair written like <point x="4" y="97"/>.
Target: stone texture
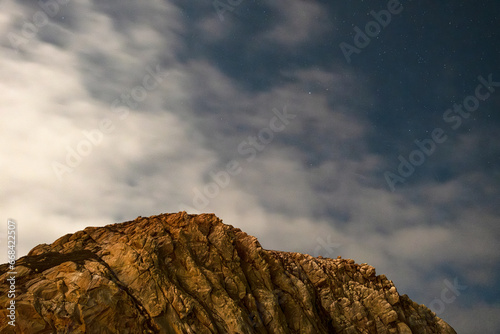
<point x="181" y="273"/>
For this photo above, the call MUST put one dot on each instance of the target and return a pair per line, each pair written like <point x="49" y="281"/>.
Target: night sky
<point x="367" y="129"/>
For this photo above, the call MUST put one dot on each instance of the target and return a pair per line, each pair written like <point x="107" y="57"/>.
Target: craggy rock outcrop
<point x="181" y="273"/>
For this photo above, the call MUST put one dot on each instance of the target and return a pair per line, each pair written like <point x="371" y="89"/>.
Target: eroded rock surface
<point x="181" y="273"/>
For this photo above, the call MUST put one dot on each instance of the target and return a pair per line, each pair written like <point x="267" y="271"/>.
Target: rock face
<point x="181" y="273"/>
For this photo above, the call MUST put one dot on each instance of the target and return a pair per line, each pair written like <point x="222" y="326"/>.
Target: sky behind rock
<point x="368" y="130"/>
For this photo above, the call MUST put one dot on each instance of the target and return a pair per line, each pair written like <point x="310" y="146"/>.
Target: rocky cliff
<point x="181" y="273"/>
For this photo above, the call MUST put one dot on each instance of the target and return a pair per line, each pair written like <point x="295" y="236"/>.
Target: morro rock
<point x="181" y="273"/>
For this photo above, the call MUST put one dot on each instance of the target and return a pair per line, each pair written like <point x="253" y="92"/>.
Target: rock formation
<point x="181" y="273"/>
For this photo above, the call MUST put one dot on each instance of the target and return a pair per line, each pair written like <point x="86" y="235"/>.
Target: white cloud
<point x="299" y="20"/>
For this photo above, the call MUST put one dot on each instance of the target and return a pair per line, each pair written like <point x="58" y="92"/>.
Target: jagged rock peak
<point x="182" y="273"/>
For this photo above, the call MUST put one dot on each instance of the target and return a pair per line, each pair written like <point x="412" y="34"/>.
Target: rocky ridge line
<point x="181" y="273"/>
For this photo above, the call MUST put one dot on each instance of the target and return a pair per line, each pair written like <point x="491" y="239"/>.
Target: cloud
<point x="297" y="22"/>
<point x="482" y="314"/>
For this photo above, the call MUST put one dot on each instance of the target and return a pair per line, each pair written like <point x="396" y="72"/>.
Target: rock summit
<point x="182" y="273"/>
